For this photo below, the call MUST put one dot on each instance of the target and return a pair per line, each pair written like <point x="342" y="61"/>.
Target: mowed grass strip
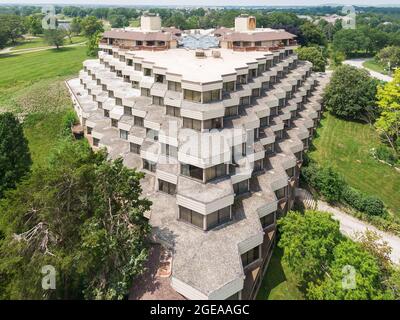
<point x="41" y="42"/>
<point x="32" y="83"/>
<point x="22" y="70"/>
<point x="346" y="145"/>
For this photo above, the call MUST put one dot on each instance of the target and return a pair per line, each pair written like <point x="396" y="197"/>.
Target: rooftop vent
<point x="200" y="54"/>
<point x="216" y="54"/>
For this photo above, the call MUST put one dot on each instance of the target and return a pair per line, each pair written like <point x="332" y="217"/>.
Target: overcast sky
<point x="208" y="2"/>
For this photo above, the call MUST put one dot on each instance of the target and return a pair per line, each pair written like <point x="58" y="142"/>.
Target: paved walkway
<point x="358" y="63"/>
<point x="352" y="227"/>
<point x="29" y="50"/>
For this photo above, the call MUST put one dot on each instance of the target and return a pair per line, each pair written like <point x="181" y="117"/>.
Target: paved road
<point x="359" y="64"/>
<point x="349" y="225"/>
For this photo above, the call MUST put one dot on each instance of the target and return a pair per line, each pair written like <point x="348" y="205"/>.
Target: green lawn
<point x="374" y="66"/>
<point x="40" y="42"/>
<point x="346" y="145"/>
<point x="32" y="84"/>
<point x="279" y="283"/>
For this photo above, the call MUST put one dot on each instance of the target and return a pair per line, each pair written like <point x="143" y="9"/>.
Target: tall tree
<point x="353" y="275"/>
<point x="351" y="94"/>
<point x="15" y="159"/>
<point x="308" y="240"/>
<point x="55" y="37"/>
<point x="80" y="213"/>
<point x="315" y="56"/>
<point x="388" y="123"/>
<point x="90" y="26"/>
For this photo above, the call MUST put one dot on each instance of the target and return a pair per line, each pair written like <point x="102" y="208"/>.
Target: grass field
<point x="41" y="42"/>
<point x="279" y="282"/>
<point x="374" y="66"/>
<point x="346" y="145"/>
<point x="32" y="84"/>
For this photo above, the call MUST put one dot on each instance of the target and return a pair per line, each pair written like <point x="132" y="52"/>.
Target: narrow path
<point x="358" y="63"/>
<point x="351" y="226"/>
<point x="29" y="50"/>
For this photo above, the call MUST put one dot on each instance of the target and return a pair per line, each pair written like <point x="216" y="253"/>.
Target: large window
<point x="192" y="171"/>
<point x="147" y="72"/>
<point x="270" y="148"/>
<point x="145" y="92"/>
<point x="123" y="134"/>
<point x="149" y="165"/>
<point x="166" y="187"/>
<point x="252" y="73"/>
<point x="244" y="101"/>
<point x="229" y="86"/>
<point x="213" y="123"/>
<point x="255" y="92"/>
<point x="173" y="111"/>
<point x="290" y="172"/>
<point x="106" y="113"/>
<point x="250" y="256"/>
<point x="134" y="148"/>
<point x="261" y="68"/>
<point x="209" y="96"/>
<point x="215" y="171"/>
<point x="191" y="217"/>
<point x="242" y="79"/>
<point x="258" y="165"/>
<point x="127" y="111"/>
<point x="281" y="193"/>
<point x="138" y="121"/>
<point x="241" y="187"/>
<point x="159" y="101"/>
<point x="192" y="124"/>
<point x="159" y="78"/>
<point x="268" y="220"/>
<point x="170" y="151"/>
<point x="218" y="217"/>
<point x="192" y="95"/>
<point x="114" y="123"/>
<point x="231" y="111"/>
<point x="263" y="122"/>
<point x="174" y="86"/>
<point x="96" y="142"/>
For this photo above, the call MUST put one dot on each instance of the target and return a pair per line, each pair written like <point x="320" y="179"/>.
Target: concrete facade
<point x="220" y="137"/>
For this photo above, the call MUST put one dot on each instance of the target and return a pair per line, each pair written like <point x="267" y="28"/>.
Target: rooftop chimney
<point x="150" y="22"/>
<point x="245" y="23"/>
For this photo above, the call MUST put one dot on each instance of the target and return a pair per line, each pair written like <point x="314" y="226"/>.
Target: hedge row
<point x="333" y="188"/>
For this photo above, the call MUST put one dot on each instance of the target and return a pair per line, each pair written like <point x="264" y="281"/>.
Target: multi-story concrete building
<point x="219" y="133"/>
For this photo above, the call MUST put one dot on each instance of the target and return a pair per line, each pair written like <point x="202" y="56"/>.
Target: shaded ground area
<point x="154" y="284"/>
<point x="279" y="282"/>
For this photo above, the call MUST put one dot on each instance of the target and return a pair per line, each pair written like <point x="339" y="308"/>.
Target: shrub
<point x="373" y="206"/>
<point x="69" y="120"/>
<point x="386" y="154"/>
<point x="362" y="202"/>
<point x="325" y="180"/>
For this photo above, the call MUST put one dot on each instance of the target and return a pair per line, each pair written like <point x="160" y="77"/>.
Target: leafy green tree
<point x="389" y="56"/>
<point x="82" y="214"/>
<point x="367" y="276"/>
<point x="350" y="41"/>
<point x="55" y="37"/>
<point x="312" y="34"/>
<point x="15" y="159"/>
<point x="91" y="26"/>
<point x="93" y="44"/>
<point x="351" y="94"/>
<point x="12" y="26"/>
<point x="118" y="21"/>
<point x="76" y="26"/>
<point x="314" y="55"/>
<point x="388" y="123"/>
<point x="308" y="241"/>
<point x="34" y="24"/>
